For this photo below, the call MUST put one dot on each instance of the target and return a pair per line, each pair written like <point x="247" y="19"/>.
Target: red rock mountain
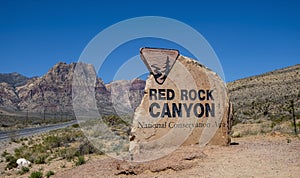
<point x="52" y="93"/>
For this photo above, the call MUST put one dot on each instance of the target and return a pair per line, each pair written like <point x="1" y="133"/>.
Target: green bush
<point x="75" y="125"/>
<point x="113" y="120"/>
<point x="273" y="124"/>
<point x="23" y="152"/>
<point x="53" y="141"/>
<point x="23" y="170"/>
<point x="80" y="161"/>
<point x="5" y="153"/>
<point x="68" y="153"/>
<point x="87" y="148"/>
<point x="41" y="159"/>
<point x="12" y="162"/>
<point x="36" y="174"/>
<point x="49" y="173"/>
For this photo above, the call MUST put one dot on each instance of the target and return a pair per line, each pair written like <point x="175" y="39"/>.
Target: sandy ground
<point x="254" y="156"/>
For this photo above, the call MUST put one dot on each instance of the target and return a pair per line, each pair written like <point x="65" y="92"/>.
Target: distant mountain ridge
<point x="263" y="95"/>
<point x="52" y="92"/>
<point x="14" y="79"/>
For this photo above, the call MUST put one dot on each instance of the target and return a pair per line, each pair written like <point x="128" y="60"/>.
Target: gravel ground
<point x="272" y="155"/>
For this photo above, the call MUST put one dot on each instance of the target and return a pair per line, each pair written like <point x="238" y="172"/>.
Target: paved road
<point x="5" y="135"/>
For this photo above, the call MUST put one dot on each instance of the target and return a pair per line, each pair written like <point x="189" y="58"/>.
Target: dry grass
<point x="59" y="149"/>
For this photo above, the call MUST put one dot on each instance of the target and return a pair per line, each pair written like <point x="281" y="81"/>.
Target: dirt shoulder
<point x="254" y="156"/>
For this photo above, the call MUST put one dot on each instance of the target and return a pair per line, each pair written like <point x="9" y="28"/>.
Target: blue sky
<point x="249" y="37"/>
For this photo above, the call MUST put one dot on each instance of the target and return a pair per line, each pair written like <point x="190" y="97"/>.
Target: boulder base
<point x="191" y="107"/>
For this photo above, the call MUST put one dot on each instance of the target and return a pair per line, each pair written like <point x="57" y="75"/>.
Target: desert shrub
<point x="68" y="153"/>
<point x="250" y="132"/>
<point x="35" y="154"/>
<point x="12" y="162"/>
<point x="26" y="152"/>
<point x="49" y="173"/>
<point x="273" y="124"/>
<point x="87" y="148"/>
<point x="80" y="161"/>
<point x="40" y="159"/>
<point x="39" y="148"/>
<point x="277" y="119"/>
<point x="23" y="170"/>
<point x="38" y="154"/>
<point x="113" y="120"/>
<point x="63" y="139"/>
<point x="247" y="113"/>
<point x="237" y="118"/>
<point x="236" y="135"/>
<point x="30" y="142"/>
<point x="36" y="174"/>
<point x="53" y="141"/>
<point x="21" y="151"/>
<point x="75" y="125"/>
<point x="5" y="153"/>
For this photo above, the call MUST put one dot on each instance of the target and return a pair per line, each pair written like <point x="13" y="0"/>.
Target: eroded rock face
<point x="190" y="108"/>
<point x="8" y="97"/>
<point x="126" y="95"/>
<point x="52" y="92"/>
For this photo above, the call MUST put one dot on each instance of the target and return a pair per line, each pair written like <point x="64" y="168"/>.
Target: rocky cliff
<point x="52" y="93"/>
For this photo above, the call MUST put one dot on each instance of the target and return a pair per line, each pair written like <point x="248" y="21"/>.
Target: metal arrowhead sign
<point x="159" y="62"/>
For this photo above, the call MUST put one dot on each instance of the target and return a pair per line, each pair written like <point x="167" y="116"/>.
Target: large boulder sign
<point x="184" y="103"/>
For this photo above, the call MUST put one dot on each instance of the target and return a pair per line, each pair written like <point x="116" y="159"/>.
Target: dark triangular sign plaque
<point x="159" y="62"/>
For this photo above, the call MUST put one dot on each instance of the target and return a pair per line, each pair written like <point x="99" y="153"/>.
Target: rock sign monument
<point x="184" y="103"/>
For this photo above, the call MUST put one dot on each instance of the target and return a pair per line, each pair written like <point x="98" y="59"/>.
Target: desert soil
<point x="272" y="155"/>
